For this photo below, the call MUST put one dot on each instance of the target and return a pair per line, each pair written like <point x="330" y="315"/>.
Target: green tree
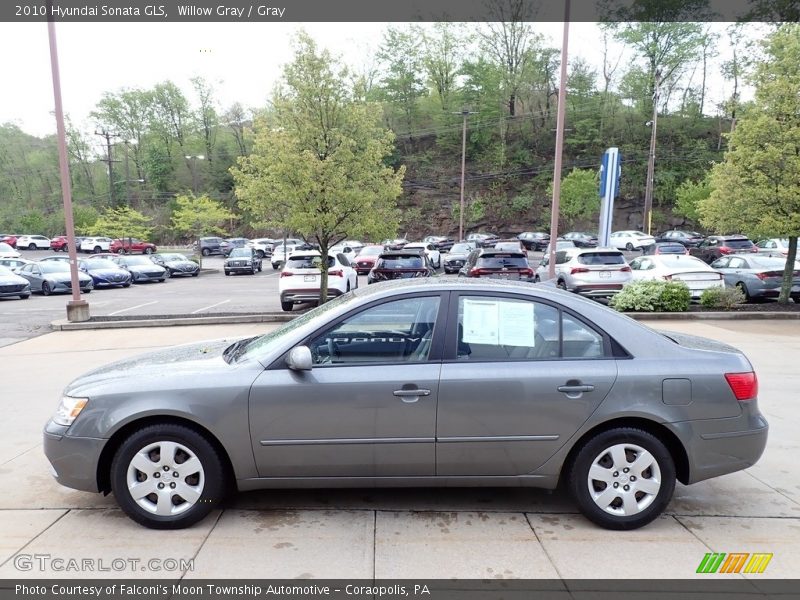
<point x="757" y="188"/>
<point x="199" y="215"/>
<point x="325" y="161"/>
<point x="689" y="195"/>
<point x="579" y="196"/>
<point x="402" y="86"/>
<point x="122" y="222"/>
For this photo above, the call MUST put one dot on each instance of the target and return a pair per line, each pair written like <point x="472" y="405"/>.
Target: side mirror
<point x="299" y="359"/>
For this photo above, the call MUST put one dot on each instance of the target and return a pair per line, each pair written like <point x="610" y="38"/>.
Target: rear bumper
<point x="599" y="290"/>
<point x="307" y="295"/>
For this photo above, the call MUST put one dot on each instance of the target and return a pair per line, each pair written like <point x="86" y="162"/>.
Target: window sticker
<point x="480" y="322"/>
<point x="498" y="323"/>
<point x="516" y="324"/>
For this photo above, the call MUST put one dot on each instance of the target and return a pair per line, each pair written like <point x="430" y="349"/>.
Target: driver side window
<point x="397" y="331"/>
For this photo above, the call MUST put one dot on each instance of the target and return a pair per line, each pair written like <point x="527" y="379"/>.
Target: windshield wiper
<point x="236" y="349"/>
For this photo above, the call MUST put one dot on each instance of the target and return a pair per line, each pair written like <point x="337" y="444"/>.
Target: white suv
<point x="96" y="244"/>
<point x="430" y="251"/>
<point x="33" y="242"/>
<point x="300" y="279"/>
<point x="596" y="272"/>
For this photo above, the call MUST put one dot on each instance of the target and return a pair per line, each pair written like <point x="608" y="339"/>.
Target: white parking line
<point x="194" y="312"/>
<point x="132" y="307"/>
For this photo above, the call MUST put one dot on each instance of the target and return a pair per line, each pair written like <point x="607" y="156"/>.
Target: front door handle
<point x="575" y="389"/>
<point x="410" y="396"/>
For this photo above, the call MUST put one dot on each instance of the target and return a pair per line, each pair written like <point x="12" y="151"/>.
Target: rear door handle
<point x="410" y="396"/>
<point x="575" y="389"/>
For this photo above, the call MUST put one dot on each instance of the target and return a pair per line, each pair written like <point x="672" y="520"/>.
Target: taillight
<point x="575" y="270"/>
<point x="755" y="249"/>
<point x="743" y="385"/>
<point x="528" y="272"/>
<point x="286" y="273"/>
<point x="725" y="250"/>
<point x="336" y="273"/>
<point x="625" y="269"/>
<point x="762" y="276"/>
<point x="477" y="272"/>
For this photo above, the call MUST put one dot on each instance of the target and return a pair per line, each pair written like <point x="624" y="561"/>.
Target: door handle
<point x="410" y="396"/>
<point x="575" y="389"/>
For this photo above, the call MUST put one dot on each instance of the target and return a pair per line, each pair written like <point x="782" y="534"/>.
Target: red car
<point x="365" y="259"/>
<point x="58" y="243"/>
<point x="132" y="246"/>
<point x="9" y="239"/>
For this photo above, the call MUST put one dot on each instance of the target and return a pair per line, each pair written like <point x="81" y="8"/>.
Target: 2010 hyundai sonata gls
<point x="425" y="383"/>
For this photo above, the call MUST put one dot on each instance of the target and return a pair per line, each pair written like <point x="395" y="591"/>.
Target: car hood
<point x="181" y="264"/>
<point x="145" y="268"/>
<point x="456" y="256"/>
<point x="12" y="280"/>
<point x="65" y="277"/>
<point x="156" y="370"/>
<point x="104" y="273"/>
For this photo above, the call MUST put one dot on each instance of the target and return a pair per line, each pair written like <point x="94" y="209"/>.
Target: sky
<point x="242" y="60"/>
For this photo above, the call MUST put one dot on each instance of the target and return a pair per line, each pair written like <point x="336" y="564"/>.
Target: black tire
<point x="260" y="266"/>
<point x="227" y="273"/>
<point x="213" y="479"/>
<point x="126" y="285"/>
<point x="195" y="274"/>
<point x="275" y="267"/>
<point x="629" y="247"/>
<point x="536" y="279"/>
<point x="46" y="289"/>
<point x="121" y="251"/>
<point x="168" y="274"/>
<point x="287" y="306"/>
<point x="561" y="285"/>
<point x="260" y="254"/>
<point x="743" y="288"/>
<point x="24" y="296"/>
<point x="253" y="271"/>
<point x="31" y="246"/>
<point x="148" y="250"/>
<point x="86" y="291"/>
<point x="162" y="280"/>
<point x="205" y="252"/>
<point x="97" y="250"/>
<point x="597" y="450"/>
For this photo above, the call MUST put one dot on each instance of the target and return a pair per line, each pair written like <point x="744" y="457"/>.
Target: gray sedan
<point x="12" y="285"/>
<point x="431" y="382"/>
<point x="53" y="276"/>
<point x="758" y="277"/>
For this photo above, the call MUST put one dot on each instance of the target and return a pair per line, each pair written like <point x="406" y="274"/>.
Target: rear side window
<point x="498" y="261"/>
<point x="601" y="258"/>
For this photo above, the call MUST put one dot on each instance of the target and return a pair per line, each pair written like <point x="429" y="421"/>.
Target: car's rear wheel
<point x="743" y="288"/>
<point x="167" y="476"/>
<point x="287" y="306"/>
<point x="148" y="250"/>
<point x="46" y="289"/>
<point x="260" y="254"/>
<point x="205" y="252"/>
<point x="629" y="247"/>
<point x="562" y="285"/>
<point x="168" y="274"/>
<point x="126" y="284"/>
<point x="31" y="246"/>
<point x="622" y="478"/>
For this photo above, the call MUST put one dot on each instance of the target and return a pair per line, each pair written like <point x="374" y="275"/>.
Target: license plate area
<point x="309" y="278"/>
<point x="605" y="274"/>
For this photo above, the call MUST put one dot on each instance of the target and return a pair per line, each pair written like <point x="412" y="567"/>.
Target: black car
<point x="242" y="260"/>
<point x="534" y="240"/>
<point x="483" y="240"/>
<point x="716" y="246"/>
<point x="234" y="243"/>
<point x="395" y="244"/>
<point x="176" y="264"/>
<point x="665" y="248"/>
<point x="581" y="239"/>
<point x="401" y="264"/>
<point x="211" y="245"/>
<point x="457" y="256"/>
<point x="498" y="264"/>
<point x="690" y="239"/>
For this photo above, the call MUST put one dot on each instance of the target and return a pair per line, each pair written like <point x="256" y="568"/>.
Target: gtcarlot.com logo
<point x="48" y="562"/>
<point x="735" y="562"/>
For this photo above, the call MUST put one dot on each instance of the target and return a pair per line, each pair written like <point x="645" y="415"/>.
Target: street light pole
<point x="651" y="162"/>
<point x="465" y="113"/>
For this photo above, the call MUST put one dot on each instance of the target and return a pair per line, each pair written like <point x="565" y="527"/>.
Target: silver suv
<point x="596" y="272"/>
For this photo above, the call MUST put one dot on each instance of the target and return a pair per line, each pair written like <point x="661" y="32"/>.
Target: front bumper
<point x="73" y="460"/>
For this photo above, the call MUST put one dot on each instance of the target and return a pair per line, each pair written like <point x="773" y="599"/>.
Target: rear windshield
<point x="498" y="261"/>
<point x="308" y="262"/>
<point x="737" y="243"/>
<point x="601" y="258"/>
<point x="461" y="248"/>
<point x="400" y="262"/>
<point x="371" y="251"/>
<point x="679" y="248"/>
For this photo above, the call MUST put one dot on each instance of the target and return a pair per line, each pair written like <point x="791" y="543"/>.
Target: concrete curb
<point x="173" y="320"/>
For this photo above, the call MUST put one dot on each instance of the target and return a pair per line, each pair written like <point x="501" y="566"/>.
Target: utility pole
<point x="108" y="135"/>
<point x="651" y="161"/>
<point x="562" y="105"/>
<point x="465" y="113"/>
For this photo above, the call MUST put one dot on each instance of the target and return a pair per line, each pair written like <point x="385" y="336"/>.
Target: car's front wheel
<point x="622" y="478"/>
<point x="287" y="306"/>
<point x="167" y="476"/>
<point x="629" y="247"/>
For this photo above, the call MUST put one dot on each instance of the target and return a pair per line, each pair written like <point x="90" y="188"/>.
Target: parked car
<point x="236" y="243"/>
<point x="12" y="285"/>
<point x="758" y="277"/>
<point x="349" y="251"/>
<point x="581" y="239"/>
<point x="7" y="251"/>
<point x="716" y="246"/>
<point x="132" y="246"/>
<point x="366" y="258"/>
<point x="59" y="243"/>
<point x="433" y="383"/>
<point x="561" y="244"/>
<point x="53" y="276"/>
<point x="593" y="272"/>
<point x="263" y="246"/>
<point x="281" y="252"/>
<point x="457" y="256"/>
<point x="429" y="250"/>
<point x="497" y="264"/>
<point x="9" y="238"/>
<point x="176" y="264"/>
<point x="105" y="272"/>
<point x="692" y="271"/>
<point x="210" y="245"/>
<point x="33" y="242"/>
<point x="510" y="246"/>
<point x="356" y="245"/>
<point x="14" y="263"/>
<point x="630" y="240"/>
<point x="301" y="278"/>
<point x="774" y="245"/>
<point x="394" y="244"/>
<point x="401" y="264"/>
<point x="689" y="239"/>
<point x="483" y="240"/>
<point x="440" y="242"/>
<point x="666" y="248"/>
<point x="57" y="257"/>
<point x="242" y="260"/>
<point x="534" y="240"/>
<point x="141" y="268"/>
<point x="95" y="245"/>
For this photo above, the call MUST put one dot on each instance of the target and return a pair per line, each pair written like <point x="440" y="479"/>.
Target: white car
<point x="7" y="251"/>
<point x="430" y="251"/>
<point x="630" y="240"/>
<point x="354" y="244"/>
<point x="344" y="248"/>
<point x="33" y="242"/>
<point x="692" y="271"/>
<point x="776" y="245"/>
<point x="262" y="246"/>
<point x="301" y="277"/>
<point x="279" y="252"/>
<point x="14" y="263"/>
<point x="96" y="244"/>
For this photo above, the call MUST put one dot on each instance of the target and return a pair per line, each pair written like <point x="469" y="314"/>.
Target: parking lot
<point x="406" y="533"/>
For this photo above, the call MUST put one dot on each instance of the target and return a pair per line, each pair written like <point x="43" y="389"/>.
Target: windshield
<point x="54" y="266"/>
<point x="241" y="253"/>
<point x="461" y="249"/>
<point x="308" y="261"/>
<point x="173" y="257"/>
<point x="100" y="263"/>
<point x="400" y="262"/>
<point x="139" y="260"/>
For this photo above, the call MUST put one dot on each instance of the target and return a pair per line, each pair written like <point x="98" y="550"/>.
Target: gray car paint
<point x="359" y="434"/>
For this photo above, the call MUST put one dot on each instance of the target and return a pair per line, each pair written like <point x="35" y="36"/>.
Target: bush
<point x="718" y="297"/>
<point x="653" y="296"/>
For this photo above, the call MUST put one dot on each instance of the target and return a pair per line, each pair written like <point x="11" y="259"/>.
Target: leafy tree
<point x="689" y="195"/>
<point x="325" y="162"/>
<point x="442" y="56"/>
<point x="579" y="195"/>
<point x="199" y="215"/>
<point x="122" y="222"/>
<point x="402" y="85"/>
<point x="757" y="188"/>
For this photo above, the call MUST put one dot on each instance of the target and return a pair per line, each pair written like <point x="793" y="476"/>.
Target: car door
<point x="519" y="378"/>
<point x="367" y="408"/>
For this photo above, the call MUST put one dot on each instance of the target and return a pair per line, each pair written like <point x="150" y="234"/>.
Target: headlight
<point x="69" y="409"/>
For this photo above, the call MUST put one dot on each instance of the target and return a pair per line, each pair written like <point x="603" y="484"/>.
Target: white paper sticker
<point x="480" y="322"/>
<point x="516" y="324"/>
